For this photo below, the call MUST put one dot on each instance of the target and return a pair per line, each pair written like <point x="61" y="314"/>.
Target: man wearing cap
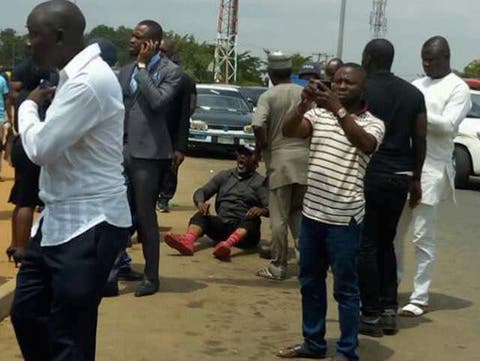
<point x="286" y="161"/>
<point x="310" y="71"/>
<point x="241" y="200"/>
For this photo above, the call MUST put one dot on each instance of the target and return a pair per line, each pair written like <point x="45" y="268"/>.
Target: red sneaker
<point x="180" y="243"/>
<point x="223" y="251"/>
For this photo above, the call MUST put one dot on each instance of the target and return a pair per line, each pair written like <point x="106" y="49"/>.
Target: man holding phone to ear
<point x="149" y="86"/>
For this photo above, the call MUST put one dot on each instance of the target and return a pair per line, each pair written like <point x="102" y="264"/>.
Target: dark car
<point x="252" y="93"/>
<point x="222" y="119"/>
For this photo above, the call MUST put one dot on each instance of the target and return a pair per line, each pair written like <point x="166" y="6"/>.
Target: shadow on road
<point x="372" y="350"/>
<point x="440" y="301"/>
<point x="5" y="215"/>
<point x="169" y="285"/>
<point x="253" y="282"/>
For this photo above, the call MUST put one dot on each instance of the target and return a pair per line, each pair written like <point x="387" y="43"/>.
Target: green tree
<point x="12" y="47"/>
<point x="298" y="60"/>
<point x="119" y="36"/>
<point x="249" y="69"/>
<point x="472" y="70"/>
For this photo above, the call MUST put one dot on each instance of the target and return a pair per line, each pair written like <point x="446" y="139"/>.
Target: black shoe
<point x="129" y="275"/>
<point x="388" y="322"/>
<point x="110" y="289"/>
<point x="370" y="327"/>
<point x="146" y="288"/>
<point x="162" y="206"/>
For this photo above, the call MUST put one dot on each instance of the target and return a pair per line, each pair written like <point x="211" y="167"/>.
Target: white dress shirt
<point x="79" y="148"/>
<point x="448" y="103"/>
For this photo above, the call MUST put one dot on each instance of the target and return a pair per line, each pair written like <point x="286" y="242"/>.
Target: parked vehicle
<point x="467" y="142"/>
<point x="222" y="120"/>
<point x="252" y="93"/>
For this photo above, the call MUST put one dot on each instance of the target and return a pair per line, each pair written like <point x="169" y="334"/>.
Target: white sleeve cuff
<point x="27" y="115"/>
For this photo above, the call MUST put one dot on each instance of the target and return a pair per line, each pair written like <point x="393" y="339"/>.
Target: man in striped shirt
<point x="343" y="137"/>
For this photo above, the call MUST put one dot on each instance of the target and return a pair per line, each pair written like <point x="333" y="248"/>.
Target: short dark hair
<point x="280" y="73"/>
<point x="440" y="44"/>
<point x="381" y="53"/>
<point x="357" y="67"/>
<point x="155" y="30"/>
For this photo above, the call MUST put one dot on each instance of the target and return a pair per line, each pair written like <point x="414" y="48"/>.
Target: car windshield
<point x="253" y="94"/>
<point x="475" y="111"/>
<point x="222" y="102"/>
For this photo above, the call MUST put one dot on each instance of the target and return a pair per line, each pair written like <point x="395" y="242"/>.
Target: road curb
<point x="6" y="298"/>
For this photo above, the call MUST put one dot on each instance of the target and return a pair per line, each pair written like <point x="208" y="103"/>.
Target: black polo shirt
<point x="234" y="195"/>
<point x="398" y="103"/>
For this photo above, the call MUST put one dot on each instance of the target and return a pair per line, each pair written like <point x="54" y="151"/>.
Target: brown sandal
<point x="299" y="351"/>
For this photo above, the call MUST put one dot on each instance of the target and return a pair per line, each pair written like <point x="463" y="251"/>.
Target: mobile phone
<point x="44" y="84"/>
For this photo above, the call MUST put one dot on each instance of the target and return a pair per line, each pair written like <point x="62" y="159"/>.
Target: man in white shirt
<point x="447" y="99"/>
<point x="86" y="217"/>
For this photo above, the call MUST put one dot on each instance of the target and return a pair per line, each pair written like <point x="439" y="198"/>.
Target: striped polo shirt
<point x="336" y="169"/>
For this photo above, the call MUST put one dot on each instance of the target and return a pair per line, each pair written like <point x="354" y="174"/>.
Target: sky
<point x="305" y="26"/>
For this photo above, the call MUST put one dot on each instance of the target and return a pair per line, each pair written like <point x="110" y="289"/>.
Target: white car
<point x="467" y="143"/>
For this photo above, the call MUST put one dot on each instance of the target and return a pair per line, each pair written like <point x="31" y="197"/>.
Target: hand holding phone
<point x="147" y="50"/>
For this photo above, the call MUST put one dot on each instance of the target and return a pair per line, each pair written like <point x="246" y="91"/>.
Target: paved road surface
<point x="208" y="310"/>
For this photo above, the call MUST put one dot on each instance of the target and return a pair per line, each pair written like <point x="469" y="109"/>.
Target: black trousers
<point x="59" y="288"/>
<point x="219" y="229"/>
<point x="385" y="197"/>
<point x="168" y="186"/>
<point x="144" y="179"/>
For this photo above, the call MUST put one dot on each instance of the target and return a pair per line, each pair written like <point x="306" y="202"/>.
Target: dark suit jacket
<point x="146" y="110"/>
<point x="179" y="114"/>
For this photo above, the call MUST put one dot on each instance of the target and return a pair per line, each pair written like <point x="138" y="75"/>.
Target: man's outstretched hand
<point x="256" y="212"/>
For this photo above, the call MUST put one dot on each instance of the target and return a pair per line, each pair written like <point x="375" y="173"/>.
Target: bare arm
<point x="294" y="124"/>
<point x="359" y="138"/>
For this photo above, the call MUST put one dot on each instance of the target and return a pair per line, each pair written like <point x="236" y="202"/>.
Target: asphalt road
<point x="208" y="310"/>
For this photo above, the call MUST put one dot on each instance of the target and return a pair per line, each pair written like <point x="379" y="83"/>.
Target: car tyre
<point x="463" y="166"/>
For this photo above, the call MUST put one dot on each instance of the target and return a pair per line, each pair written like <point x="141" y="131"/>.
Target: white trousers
<point x="423" y="220"/>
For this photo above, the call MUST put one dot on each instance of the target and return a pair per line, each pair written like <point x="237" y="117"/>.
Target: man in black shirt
<point x="24" y="194"/>
<point x="178" y="119"/>
<point x="241" y="199"/>
<point x="394" y="169"/>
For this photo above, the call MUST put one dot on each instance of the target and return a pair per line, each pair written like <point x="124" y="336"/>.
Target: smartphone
<point x="44" y="84"/>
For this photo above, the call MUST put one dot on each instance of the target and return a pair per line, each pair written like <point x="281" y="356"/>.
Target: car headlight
<point x="198" y="125"/>
<point x="248" y="129"/>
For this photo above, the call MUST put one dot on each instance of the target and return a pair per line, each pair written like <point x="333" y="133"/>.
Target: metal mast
<point x="378" y="19"/>
<point x="225" y="62"/>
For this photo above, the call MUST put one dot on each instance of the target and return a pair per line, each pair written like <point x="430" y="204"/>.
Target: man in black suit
<point x="179" y="115"/>
<point x="149" y="86"/>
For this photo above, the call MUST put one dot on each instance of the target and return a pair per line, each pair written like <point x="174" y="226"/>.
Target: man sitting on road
<point x="241" y="199"/>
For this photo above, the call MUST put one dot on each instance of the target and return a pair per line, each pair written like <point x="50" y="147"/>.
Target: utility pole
<point x="341" y="29"/>
<point x="225" y="62"/>
<point x="378" y="19"/>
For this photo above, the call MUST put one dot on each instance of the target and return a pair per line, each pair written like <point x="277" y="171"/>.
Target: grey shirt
<point x="235" y="195"/>
<point x="286" y="159"/>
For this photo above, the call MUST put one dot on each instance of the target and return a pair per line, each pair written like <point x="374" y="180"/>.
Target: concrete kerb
<point x="6" y="298"/>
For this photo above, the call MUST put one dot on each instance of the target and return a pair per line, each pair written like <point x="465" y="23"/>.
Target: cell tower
<point x="225" y="62"/>
<point x="378" y="19"/>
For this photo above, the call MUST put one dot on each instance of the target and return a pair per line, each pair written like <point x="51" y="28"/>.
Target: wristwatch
<point x="141" y="65"/>
<point x="342" y="113"/>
